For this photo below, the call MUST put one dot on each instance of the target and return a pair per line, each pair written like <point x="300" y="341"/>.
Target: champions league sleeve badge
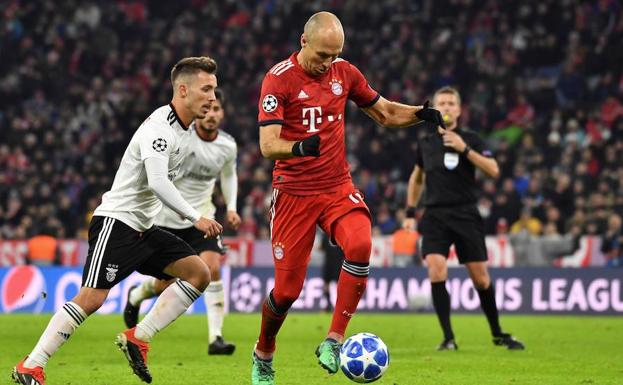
<point x="269" y="103"/>
<point x="159" y="145"/>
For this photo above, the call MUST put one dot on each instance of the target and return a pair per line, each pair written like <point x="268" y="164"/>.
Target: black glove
<point x="430" y="115"/>
<point x="307" y="147"/>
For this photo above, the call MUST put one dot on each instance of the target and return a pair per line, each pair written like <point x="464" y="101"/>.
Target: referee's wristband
<point x="466" y="150"/>
<point x="410" y="212"/>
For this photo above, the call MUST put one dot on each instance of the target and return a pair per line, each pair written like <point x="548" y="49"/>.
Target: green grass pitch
<point x="560" y="350"/>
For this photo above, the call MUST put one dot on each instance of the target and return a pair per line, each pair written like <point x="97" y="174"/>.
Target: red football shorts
<point x="293" y="220"/>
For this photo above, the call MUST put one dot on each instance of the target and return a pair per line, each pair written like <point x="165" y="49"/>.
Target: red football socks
<point x="271" y="323"/>
<point x="350" y="288"/>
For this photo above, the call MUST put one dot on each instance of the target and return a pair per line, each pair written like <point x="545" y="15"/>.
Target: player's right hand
<point x="209" y="227"/>
<point x="430" y="115"/>
<point x="233" y="219"/>
<point x="307" y="147"/>
<point x="408" y="224"/>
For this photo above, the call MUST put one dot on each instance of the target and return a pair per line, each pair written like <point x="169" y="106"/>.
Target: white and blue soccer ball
<point x="364" y="358"/>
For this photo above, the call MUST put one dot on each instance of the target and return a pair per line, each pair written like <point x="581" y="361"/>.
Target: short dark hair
<point x="192" y="65"/>
<point x="220" y="96"/>
<point x="448" y="90"/>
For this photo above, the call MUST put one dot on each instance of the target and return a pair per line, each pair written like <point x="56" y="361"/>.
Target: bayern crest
<point x="336" y="87"/>
<point x="278" y="250"/>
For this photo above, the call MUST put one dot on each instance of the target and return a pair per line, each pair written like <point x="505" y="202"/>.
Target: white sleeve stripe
<point x="284" y="69"/>
<point x="281" y="67"/>
<point x="279" y="64"/>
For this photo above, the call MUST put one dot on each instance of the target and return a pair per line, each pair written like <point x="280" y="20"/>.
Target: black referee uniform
<point x="451" y="217"/>
<point x="450" y="197"/>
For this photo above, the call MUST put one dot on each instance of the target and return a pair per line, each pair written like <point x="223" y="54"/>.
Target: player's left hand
<point x="233" y="220"/>
<point x="307" y="147"/>
<point x="453" y="140"/>
<point x="430" y="115"/>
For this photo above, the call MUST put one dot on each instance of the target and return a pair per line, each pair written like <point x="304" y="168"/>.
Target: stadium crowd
<point x="542" y="80"/>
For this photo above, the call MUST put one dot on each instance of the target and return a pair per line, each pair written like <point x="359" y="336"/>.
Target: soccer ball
<point x="364" y="358"/>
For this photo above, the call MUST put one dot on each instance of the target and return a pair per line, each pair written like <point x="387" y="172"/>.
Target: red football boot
<point x="28" y="376"/>
<point x="135" y="352"/>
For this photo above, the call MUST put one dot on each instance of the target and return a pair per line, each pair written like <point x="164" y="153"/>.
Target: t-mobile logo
<point x="311" y="117"/>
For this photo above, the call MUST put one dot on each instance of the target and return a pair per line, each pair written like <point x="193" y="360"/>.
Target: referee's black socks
<point x="487" y="302"/>
<point x="441" y="301"/>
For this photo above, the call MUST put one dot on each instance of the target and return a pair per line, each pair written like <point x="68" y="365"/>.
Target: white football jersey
<point x="130" y="199"/>
<point x="206" y="160"/>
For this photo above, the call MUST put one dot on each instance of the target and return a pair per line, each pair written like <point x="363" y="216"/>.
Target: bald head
<point x="323" y="24"/>
<point x="321" y="43"/>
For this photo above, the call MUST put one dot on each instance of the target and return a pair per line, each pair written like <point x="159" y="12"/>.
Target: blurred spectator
<point x="527" y="224"/>
<point x="405" y="247"/>
<point x="43" y="250"/>
<point x="553" y="222"/>
<point x="612" y="241"/>
<point x="501" y="227"/>
<point x="384" y="220"/>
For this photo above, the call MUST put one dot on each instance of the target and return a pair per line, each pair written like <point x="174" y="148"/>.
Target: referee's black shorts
<point x="334" y="257"/>
<point x="197" y="241"/>
<point x="460" y="225"/>
<point x="116" y="250"/>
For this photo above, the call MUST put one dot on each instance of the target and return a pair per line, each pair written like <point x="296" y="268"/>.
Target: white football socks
<point x="171" y="304"/>
<point x="143" y="291"/>
<point x="62" y="325"/>
<point x="214" y="299"/>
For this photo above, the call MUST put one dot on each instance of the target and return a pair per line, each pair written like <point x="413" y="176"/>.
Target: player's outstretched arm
<point x="275" y="148"/>
<point x="229" y="187"/>
<point x="398" y="115"/>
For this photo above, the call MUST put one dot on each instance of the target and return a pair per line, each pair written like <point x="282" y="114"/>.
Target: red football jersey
<point x="305" y="105"/>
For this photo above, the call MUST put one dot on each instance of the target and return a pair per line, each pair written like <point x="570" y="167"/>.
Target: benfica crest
<point x="111" y="273"/>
